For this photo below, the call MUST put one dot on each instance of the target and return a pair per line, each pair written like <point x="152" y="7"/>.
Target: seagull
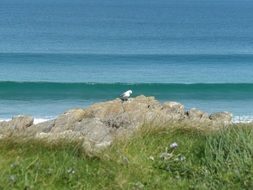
<point x="126" y="95"/>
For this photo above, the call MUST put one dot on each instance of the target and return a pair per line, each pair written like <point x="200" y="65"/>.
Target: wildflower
<point x="13" y="165"/>
<point x="71" y="171"/>
<point x="173" y="145"/>
<point x="182" y="158"/>
<point x="49" y="171"/>
<point x="138" y="185"/>
<point x="151" y="158"/>
<point x="13" y="178"/>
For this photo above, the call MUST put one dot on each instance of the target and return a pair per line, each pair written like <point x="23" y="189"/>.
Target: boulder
<point x="221" y="117"/>
<point x="92" y="130"/>
<point x="174" y="110"/>
<point x="105" y="109"/>
<point x="67" y="120"/>
<point x="173" y="107"/>
<point x="68" y="134"/>
<point x="140" y="110"/>
<point x="98" y="125"/>
<point x="131" y="113"/>
<point x="18" y="122"/>
<point x="197" y="115"/>
<point x="95" y="131"/>
<point x="44" y="127"/>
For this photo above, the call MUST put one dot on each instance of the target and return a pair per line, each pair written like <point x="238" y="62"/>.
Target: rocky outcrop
<point x="18" y="123"/>
<point x="98" y="125"/>
<point x="197" y="115"/>
<point x="221" y="117"/>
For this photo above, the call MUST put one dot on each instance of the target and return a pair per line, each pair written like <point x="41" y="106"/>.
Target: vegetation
<point x="221" y="159"/>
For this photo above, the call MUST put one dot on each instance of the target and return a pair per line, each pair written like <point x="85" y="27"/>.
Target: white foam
<point x="243" y="119"/>
<point x="39" y="120"/>
<point x="4" y="119"/>
<point x="35" y="121"/>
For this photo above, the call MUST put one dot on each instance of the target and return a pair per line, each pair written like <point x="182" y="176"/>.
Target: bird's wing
<point x="122" y="95"/>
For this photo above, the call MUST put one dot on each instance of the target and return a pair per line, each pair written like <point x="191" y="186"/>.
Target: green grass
<point x="213" y="160"/>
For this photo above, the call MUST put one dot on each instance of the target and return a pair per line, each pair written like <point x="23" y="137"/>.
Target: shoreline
<point x="35" y="120"/>
<point x="244" y="119"/>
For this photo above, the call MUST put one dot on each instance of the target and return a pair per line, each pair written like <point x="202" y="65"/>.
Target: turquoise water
<point x="126" y="68"/>
<point x="45" y="99"/>
<point x="55" y="55"/>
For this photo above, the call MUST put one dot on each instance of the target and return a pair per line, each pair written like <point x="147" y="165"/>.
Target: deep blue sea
<point x="60" y="54"/>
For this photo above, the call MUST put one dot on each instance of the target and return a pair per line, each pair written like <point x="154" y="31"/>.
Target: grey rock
<point x="221" y="117"/>
<point x="68" y="120"/>
<point x="18" y="122"/>
<point x="44" y="127"/>
<point x="68" y="134"/>
<point x="173" y="107"/>
<point x="174" y="110"/>
<point x="98" y="125"/>
<point x="197" y="115"/>
<point x="95" y="131"/>
<point x="131" y="113"/>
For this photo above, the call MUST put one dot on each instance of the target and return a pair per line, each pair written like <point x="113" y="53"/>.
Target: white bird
<point x="126" y="95"/>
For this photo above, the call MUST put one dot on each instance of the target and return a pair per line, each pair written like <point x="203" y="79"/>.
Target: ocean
<point x="57" y="55"/>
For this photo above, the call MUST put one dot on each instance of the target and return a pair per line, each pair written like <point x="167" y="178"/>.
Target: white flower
<point x="71" y="171"/>
<point x="174" y="145"/>
<point x="13" y="178"/>
<point x="182" y="158"/>
<point x="13" y="165"/>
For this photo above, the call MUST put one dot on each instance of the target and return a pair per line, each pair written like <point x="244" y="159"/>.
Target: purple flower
<point x="173" y="145"/>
